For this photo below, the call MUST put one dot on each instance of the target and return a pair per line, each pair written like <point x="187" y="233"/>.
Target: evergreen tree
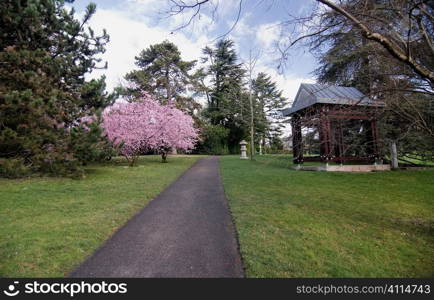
<point x="227" y="101"/>
<point x="45" y="53"/>
<point x="164" y="74"/>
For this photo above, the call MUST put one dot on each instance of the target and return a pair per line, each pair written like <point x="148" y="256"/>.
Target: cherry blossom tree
<point x="146" y="125"/>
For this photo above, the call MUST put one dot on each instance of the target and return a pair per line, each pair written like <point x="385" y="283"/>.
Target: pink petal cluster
<point x="147" y="125"/>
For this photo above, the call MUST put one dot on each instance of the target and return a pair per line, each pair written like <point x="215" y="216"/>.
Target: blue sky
<point x="135" y="24"/>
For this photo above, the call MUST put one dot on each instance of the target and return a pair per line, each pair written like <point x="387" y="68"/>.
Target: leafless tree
<point x="251" y="63"/>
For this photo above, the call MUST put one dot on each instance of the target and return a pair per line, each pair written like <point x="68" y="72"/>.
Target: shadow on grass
<point x="277" y="161"/>
<point x="122" y="161"/>
<point x="415" y="225"/>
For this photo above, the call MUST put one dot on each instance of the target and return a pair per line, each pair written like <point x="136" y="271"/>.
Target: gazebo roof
<point x="310" y="94"/>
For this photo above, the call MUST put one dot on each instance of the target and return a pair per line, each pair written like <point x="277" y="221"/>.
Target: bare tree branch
<point x="180" y="6"/>
<point x="389" y="45"/>
<point x="234" y="24"/>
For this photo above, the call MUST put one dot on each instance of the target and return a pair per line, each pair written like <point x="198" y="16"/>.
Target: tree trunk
<point x="393" y="155"/>
<point x="252" y="128"/>
<point x="252" y="132"/>
<point x="164" y="157"/>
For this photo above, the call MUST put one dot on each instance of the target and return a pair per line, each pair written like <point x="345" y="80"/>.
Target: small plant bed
<point x="49" y="225"/>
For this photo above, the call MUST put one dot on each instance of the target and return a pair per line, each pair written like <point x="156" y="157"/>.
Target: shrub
<point x="213" y="140"/>
<point x="89" y="143"/>
<point x="13" y="168"/>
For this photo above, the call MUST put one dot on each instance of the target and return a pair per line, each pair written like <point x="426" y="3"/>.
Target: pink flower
<point x="147" y="125"/>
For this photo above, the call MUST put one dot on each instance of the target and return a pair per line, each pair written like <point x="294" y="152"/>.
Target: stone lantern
<point x="243" y="144"/>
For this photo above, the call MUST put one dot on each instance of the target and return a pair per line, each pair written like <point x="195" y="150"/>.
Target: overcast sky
<point x="134" y="25"/>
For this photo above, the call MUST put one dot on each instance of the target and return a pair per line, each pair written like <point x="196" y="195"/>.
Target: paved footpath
<point x="187" y="231"/>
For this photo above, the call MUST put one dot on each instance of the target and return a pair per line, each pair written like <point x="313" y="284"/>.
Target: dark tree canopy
<point x="226" y="75"/>
<point x="226" y="97"/>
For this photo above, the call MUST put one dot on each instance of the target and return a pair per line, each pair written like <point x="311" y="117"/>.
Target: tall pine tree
<point x="227" y="103"/>
<point x="269" y="104"/>
<point x="164" y="74"/>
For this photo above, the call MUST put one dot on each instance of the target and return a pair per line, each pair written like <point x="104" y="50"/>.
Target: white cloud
<point x="129" y="36"/>
<point x="226" y="9"/>
<point x="140" y="8"/>
<point x="268" y="34"/>
<point x="242" y="28"/>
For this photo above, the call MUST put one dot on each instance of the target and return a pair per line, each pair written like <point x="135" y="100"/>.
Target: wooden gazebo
<point x="325" y="108"/>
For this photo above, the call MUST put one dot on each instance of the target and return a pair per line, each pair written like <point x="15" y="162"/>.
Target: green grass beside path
<point x="49" y="225"/>
<point x="324" y="224"/>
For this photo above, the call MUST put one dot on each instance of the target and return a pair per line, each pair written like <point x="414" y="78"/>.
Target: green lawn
<point x="49" y="225"/>
<point x="321" y="224"/>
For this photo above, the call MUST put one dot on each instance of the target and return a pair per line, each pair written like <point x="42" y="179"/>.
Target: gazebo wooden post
<point x="297" y="146"/>
<point x="339" y="141"/>
<point x="375" y="145"/>
<point x="329" y="140"/>
<point x="325" y="137"/>
<point x="321" y="140"/>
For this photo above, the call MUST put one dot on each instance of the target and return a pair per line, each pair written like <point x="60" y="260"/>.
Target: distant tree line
<point x="220" y="80"/>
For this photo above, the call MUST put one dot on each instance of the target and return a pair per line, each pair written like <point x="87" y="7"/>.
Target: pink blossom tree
<point x="147" y="125"/>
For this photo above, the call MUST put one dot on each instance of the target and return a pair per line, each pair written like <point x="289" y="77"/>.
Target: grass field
<point x="49" y="225"/>
<point x="322" y="224"/>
